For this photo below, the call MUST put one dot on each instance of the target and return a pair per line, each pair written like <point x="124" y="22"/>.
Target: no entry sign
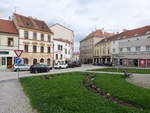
<point x="18" y="52"/>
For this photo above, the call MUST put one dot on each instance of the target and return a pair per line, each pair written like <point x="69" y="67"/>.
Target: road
<point x="4" y="76"/>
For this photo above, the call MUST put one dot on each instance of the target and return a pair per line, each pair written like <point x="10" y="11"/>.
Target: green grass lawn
<point x="66" y="94"/>
<point x="118" y="87"/>
<point x="130" y="70"/>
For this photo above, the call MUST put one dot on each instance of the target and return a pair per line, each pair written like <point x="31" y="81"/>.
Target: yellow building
<point x="102" y="51"/>
<point x="35" y="39"/>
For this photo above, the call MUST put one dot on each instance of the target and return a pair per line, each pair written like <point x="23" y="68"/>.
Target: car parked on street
<point x="39" y="68"/>
<point x="60" y="65"/>
<point x="74" y="64"/>
<point x="20" y="67"/>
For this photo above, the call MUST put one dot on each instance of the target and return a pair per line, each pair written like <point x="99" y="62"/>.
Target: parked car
<point x="74" y="64"/>
<point x="21" y="67"/>
<point x="61" y="65"/>
<point x="108" y="64"/>
<point x="38" y="68"/>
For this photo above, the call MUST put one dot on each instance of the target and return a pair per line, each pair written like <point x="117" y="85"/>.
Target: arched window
<point x="34" y="61"/>
<point x="48" y="62"/>
<point x="41" y="60"/>
<point x="26" y="60"/>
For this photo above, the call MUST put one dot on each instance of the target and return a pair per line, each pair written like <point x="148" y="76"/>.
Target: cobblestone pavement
<point x="141" y="80"/>
<point x="12" y="98"/>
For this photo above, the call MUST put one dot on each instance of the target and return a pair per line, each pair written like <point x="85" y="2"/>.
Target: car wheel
<point x="35" y="71"/>
<point x="17" y="70"/>
<point x="59" y="67"/>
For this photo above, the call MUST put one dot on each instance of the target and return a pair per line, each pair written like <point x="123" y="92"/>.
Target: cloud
<point x="83" y="16"/>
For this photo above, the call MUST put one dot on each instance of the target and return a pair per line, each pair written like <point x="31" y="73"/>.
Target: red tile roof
<point x="7" y="26"/>
<point x="97" y="33"/>
<point x="31" y="23"/>
<point x="62" y="40"/>
<point x="128" y="34"/>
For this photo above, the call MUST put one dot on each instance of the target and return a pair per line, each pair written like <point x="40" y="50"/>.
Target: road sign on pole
<point x="18" y="60"/>
<point x="18" y="52"/>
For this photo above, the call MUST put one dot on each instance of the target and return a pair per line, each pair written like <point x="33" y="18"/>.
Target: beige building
<point x="64" y="37"/>
<point x="35" y="39"/>
<point x="8" y="43"/>
<point x="87" y="45"/>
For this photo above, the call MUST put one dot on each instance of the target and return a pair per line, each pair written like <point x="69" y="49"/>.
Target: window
<point x="25" y="60"/>
<point x="48" y="49"/>
<point x="148" y="48"/>
<point x="26" y="34"/>
<point x="49" y="38"/>
<point x="138" y="48"/>
<point x="61" y="47"/>
<point x="113" y="42"/>
<point x="148" y="37"/>
<point x="114" y="50"/>
<point x="26" y="48"/>
<point x="10" y="42"/>
<point x="56" y="56"/>
<point x="128" y="49"/>
<point x="121" y="49"/>
<point x="34" y="36"/>
<point x="65" y="51"/>
<point x="41" y="60"/>
<point x="3" y="61"/>
<point x="42" y="37"/>
<point x="34" y="49"/>
<point x="108" y="51"/>
<point x="42" y="49"/>
<point x="61" y="56"/>
<point x="48" y="62"/>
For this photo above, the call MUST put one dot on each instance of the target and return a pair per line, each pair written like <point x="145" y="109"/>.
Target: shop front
<point x="7" y="59"/>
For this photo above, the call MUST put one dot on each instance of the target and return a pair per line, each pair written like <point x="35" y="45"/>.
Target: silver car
<point x="21" y="67"/>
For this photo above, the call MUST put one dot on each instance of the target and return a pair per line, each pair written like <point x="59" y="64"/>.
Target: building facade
<point x="35" y="39"/>
<point x="8" y="43"/>
<point x="62" y="51"/>
<point x="87" y="45"/>
<point x="103" y="51"/>
<point x="65" y="36"/>
<point x="76" y="56"/>
<point x="132" y="48"/>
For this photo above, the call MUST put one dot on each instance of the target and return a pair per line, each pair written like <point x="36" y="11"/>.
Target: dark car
<point x="108" y="64"/>
<point x="39" y="68"/>
<point x="74" y="64"/>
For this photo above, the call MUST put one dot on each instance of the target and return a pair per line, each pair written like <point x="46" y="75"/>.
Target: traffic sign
<point x="18" y="61"/>
<point x="18" y="52"/>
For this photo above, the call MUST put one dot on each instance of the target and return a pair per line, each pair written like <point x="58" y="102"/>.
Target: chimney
<point x="124" y="30"/>
<point x="102" y="30"/>
<point x="9" y="17"/>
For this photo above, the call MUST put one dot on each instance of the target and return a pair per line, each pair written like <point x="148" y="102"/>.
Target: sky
<point x="83" y="16"/>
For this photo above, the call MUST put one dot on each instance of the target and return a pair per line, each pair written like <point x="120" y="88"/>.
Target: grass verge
<point x="117" y="87"/>
<point x="66" y="94"/>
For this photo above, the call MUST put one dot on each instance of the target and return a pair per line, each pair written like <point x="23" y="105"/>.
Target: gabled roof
<point x="60" y="26"/>
<point x="31" y="23"/>
<point x="97" y="33"/>
<point x="128" y="34"/>
<point x="7" y="26"/>
<point x="62" y="40"/>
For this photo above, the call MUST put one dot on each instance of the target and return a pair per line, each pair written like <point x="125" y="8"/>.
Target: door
<point x="9" y="62"/>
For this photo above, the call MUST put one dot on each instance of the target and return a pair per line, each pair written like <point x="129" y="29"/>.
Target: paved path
<point x="12" y="98"/>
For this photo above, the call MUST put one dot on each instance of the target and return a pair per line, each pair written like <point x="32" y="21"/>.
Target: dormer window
<point x="27" y="24"/>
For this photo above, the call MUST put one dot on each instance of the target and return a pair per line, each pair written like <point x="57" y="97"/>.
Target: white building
<point x="62" y="37"/>
<point x="62" y="50"/>
<point x="8" y="43"/>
